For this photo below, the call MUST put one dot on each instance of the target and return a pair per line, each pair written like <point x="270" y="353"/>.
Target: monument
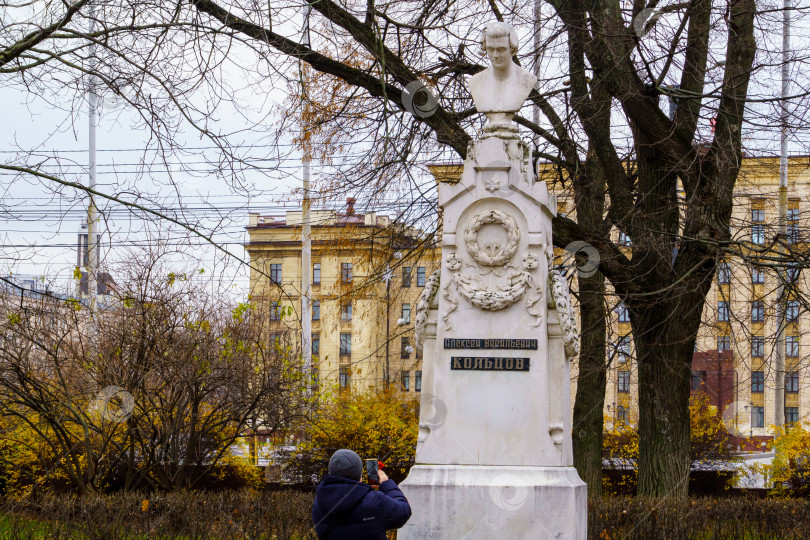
<point x="496" y="330"/>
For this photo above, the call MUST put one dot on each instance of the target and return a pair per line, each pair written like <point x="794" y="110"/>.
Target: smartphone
<point x="372" y="468"/>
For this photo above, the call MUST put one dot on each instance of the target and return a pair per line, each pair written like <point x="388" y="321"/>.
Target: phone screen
<point x="371" y="471"/>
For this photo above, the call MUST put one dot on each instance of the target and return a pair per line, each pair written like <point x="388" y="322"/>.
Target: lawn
<point x="286" y="515"/>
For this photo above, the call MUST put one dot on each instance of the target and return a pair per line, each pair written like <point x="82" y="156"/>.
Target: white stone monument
<point x="496" y="330"/>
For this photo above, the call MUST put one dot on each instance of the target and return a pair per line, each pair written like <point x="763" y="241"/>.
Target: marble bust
<point x="500" y="91"/>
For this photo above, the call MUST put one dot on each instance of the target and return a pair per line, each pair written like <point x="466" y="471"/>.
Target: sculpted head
<point x="499" y="42"/>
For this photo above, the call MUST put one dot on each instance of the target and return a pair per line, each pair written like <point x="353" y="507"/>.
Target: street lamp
<point x="750" y="407"/>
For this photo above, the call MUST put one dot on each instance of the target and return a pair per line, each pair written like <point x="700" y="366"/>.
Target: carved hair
<point x="500" y="29"/>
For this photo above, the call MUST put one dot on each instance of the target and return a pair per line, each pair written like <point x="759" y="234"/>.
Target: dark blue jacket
<point x="350" y="510"/>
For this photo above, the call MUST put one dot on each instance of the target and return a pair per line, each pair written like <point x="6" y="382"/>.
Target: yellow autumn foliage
<point x="375" y="424"/>
<point x="789" y="471"/>
<point x="708" y="444"/>
<point x="28" y="463"/>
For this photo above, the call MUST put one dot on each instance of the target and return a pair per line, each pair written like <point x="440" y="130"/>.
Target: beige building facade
<point x="367" y="274"/>
<point x="736" y="345"/>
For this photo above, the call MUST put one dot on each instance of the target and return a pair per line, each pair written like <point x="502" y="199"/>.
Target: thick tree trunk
<point x="664" y="334"/>
<point x="588" y="425"/>
<point x="590" y="399"/>
<point x="663" y="427"/>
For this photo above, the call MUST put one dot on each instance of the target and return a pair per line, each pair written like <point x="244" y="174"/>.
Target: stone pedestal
<point x="486" y="502"/>
<point x="495" y="327"/>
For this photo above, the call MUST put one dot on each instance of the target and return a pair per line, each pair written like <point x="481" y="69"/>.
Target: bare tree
<point x="381" y="48"/>
<point x="151" y="391"/>
<point x="396" y="74"/>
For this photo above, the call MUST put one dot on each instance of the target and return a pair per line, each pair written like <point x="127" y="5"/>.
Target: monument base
<point x="486" y="502"/>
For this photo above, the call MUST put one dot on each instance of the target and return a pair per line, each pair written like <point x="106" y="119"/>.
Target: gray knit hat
<point x="346" y="463"/>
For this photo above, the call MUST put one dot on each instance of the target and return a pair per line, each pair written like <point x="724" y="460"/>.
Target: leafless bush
<point x="149" y="392"/>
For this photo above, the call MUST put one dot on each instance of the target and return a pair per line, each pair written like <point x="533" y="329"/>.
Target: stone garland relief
<point x="426" y="301"/>
<point x="499" y="284"/>
<point x="568" y="322"/>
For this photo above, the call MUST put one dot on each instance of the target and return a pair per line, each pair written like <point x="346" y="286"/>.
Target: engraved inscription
<point x="478" y="363"/>
<point x="495" y="343"/>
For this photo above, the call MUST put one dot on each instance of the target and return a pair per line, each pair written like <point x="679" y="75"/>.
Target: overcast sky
<point x="40" y="228"/>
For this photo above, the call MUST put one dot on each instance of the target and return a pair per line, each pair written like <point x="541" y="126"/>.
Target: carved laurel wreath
<point x="499" y="254"/>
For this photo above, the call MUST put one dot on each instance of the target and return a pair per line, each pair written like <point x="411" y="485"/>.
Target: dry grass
<point x="192" y="515"/>
<point x="286" y="515"/>
<point x="698" y="518"/>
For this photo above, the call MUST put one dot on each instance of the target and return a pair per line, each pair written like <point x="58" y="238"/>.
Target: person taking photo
<point x="346" y="508"/>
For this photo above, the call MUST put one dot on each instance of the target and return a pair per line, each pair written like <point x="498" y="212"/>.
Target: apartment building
<point x="367" y="274"/>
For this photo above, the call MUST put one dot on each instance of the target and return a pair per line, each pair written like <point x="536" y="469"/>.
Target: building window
<point x="275" y="272"/>
<point x="791" y="415"/>
<point x="346" y="272"/>
<point x="404" y="347"/>
<point x="722" y="311"/>
<point x="757" y="346"/>
<point x="316" y="344"/>
<point x="621" y="414"/>
<point x="316" y="310"/>
<point x="623" y="313"/>
<point x="698" y="380"/>
<point x="758" y="234"/>
<point x="624" y="381"/>
<point x="346" y="311"/>
<point x="345" y="377"/>
<point x="723" y="343"/>
<point x="624" y="239"/>
<point x="723" y="273"/>
<point x="792" y="382"/>
<point x="623" y="349"/>
<point x="792" y="274"/>
<point x="406" y="276"/>
<point x="417" y="381"/>
<point x="405" y="379"/>
<point x="757" y="219"/>
<point x="275" y="311"/>
<point x="758" y="417"/>
<point x="345" y="344"/>
<point x="757" y="275"/>
<point x="316" y="274"/>
<point x="757" y="382"/>
<point x="793" y="233"/>
<point x="792" y="313"/>
<point x="406" y="313"/>
<point x="792" y="346"/>
<point x="421" y="278"/>
<point x="793" y="225"/>
<point x="758" y="311"/>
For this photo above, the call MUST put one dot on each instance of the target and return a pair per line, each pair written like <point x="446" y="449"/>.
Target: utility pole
<point x="387" y="333"/>
<point x="779" y="394"/>
<point x="92" y="214"/>
<point x="306" y="229"/>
